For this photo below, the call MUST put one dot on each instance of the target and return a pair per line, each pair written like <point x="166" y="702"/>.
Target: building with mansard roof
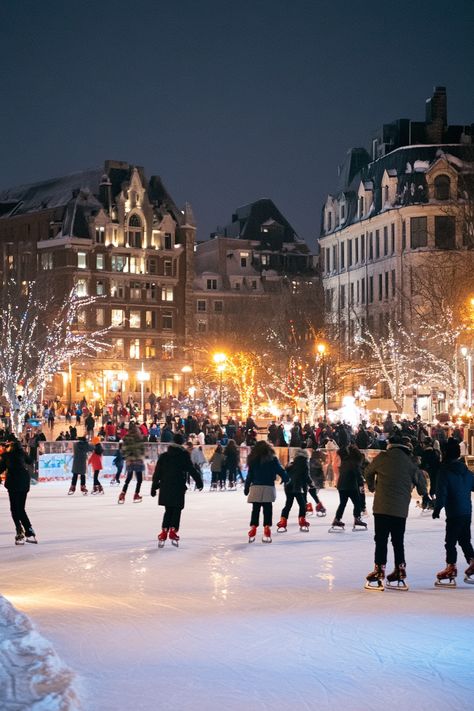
<point x="115" y="234"/>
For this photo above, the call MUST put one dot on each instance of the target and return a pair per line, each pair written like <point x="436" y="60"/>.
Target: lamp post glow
<point x="321" y="348"/>
<point x="468" y="357"/>
<point x="142" y="377"/>
<point x="185" y="370"/>
<point x="220" y="361"/>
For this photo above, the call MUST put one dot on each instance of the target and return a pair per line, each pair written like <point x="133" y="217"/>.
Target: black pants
<point x="17" y="508"/>
<point x="312" y="492"/>
<point x="232" y="474"/>
<point x="117" y="474"/>
<point x="395" y="527"/>
<point x="267" y="514"/>
<point x="458" y="530"/>
<point x="139" y="477"/>
<point x="171" y="517"/>
<point x="96" y="477"/>
<point x="344" y="496"/>
<point x="74" y="479"/>
<point x="290" y="497"/>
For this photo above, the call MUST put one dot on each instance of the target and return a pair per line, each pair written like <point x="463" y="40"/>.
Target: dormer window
<point x="442" y="187"/>
<point x="361" y="206"/>
<point x="134" y="233"/>
<point x="329" y="221"/>
<point x="343" y="211"/>
<point x="385" y="193"/>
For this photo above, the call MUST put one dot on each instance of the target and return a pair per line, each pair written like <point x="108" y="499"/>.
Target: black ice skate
<point x="374" y="580"/>
<point x="447" y="578"/>
<point x="469" y="573"/>
<point x="337" y="526"/>
<point x="20" y="537"/>
<point x="396" y="579"/>
<point x="359" y="525"/>
<point x="30" y="536"/>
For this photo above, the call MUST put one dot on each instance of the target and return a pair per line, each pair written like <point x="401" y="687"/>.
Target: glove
<point x="153" y="492"/>
<point x="435" y="513"/>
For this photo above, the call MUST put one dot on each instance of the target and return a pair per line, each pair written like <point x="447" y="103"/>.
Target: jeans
<point x="290" y="497"/>
<point x="139" y="478"/>
<point x="458" y="530"/>
<point x="17" y="509"/>
<point x="385" y="526"/>
<point x="171" y="517"/>
<point x="344" y="496"/>
<point x="267" y="514"/>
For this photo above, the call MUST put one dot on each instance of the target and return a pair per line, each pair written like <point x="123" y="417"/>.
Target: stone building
<point x="115" y="234"/>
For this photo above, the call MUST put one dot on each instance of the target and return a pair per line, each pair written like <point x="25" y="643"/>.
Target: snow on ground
<point x="221" y="624"/>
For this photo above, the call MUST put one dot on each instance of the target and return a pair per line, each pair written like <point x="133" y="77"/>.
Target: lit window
<point x="119" y="263"/>
<point x="100" y="288"/>
<point x="47" y="260"/>
<point x="135" y="265"/>
<point x="135" y="290"/>
<point x="81" y="317"/>
<point x="168" y="350"/>
<point x="99" y="261"/>
<point x="244" y="259"/>
<point x="100" y="235"/>
<point x="150" y="319"/>
<point x="135" y="319"/>
<point x="135" y="348"/>
<point x="81" y="287"/>
<point x="150" y="349"/>
<point x="81" y="260"/>
<point x="151" y="291"/>
<point x="167" y="293"/>
<point x="167" y="267"/>
<point x="117" y="318"/>
<point x="265" y="260"/>
<point x="99" y="317"/>
<point x="118" y="349"/>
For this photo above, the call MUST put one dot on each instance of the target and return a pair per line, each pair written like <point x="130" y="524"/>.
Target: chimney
<point x="436" y="115"/>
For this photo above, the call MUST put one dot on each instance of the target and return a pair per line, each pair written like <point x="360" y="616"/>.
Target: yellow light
<point x="220" y="367"/>
<point x="186" y="369"/>
<point x="464" y="351"/>
<point x="321" y="348"/>
<point x="219" y="358"/>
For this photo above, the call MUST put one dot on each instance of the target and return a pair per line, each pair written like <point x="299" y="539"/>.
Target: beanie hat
<point x="178" y="438"/>
<point x="453" y="450"/>
<point x="302" y="453"/>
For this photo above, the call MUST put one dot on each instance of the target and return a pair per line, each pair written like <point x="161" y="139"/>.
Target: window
<point x="118" y="348"/>
<point x="352" y="293"/>
<point x="343" y="254"/>
<point x="136" y="265"/>
<point x="349" y="253"/>
<point x="371" y="290"/>
<point x="358" y="291"/>
<point x="119" y="263"/>
<point x="371" y="246"/>
<point x="150" y="349"/>
<point x="151" y="291"/>
<point x="135" y="348"/>
<point x="167" y="293"/>
<point x="377" y="244"/>
<point x="380" y="287"/>
<point x="81" y="317"/>
<point x="334" y="257"/>
<point x="135" y="290"/>
<point x="386" y="285"/>
<point x="343" y="211"/>
<point x="393" y="282"/>
<point x="117" y="290"/>
<point x="99" y="261"/>
<point x="117" y="319"/>
<point x="385" y="193"/>
<point x="418" y="232"/>
<point x="167" y="321"/>
<point x="150" y="319"/>
<point x="81" y="260"/>
<point x="445" y="232"/>
<point x="392" y="230"/>
<point x="253" y="284"/>
<point x="168" y="241"/>
<point x="100" y="317"/>
<point x="212" y="284"/>
<point x="362" y="248"/>
<point x="100" y="288"/>
<point x="201" y="305"/>
<point x="265" y="260"/>
<point x="237" y="285"/>
<point x="356" y="250"/>
<point x="100" y="235"/>
<point x="135" y="318"/>
<point x="201" y="326"/>
<point x="329" y="220"/>
<point x="328" y="260"/>
<point x="81" y="287"/>
<point x="134" y="233"/>
<point x="361" y="206"/>
<point x="151" y="265"/>
<point x="218" y="307"/>
<point x="47" y="260"/>
<point x="385" y="240"/>
<point x="442" y="186"/>
<point x="167" y="350"/>
<point x="404" y="235"/>
<point x="363" y="290"/>
<point x="342" y="296"/>
<point x="244" y="256"/>
<point x="167" y="267"/>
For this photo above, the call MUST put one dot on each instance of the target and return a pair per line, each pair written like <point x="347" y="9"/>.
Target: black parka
<point x="171" y="471"/>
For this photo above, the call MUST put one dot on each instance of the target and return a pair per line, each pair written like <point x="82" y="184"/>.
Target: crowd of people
<point x="409" y="455"/>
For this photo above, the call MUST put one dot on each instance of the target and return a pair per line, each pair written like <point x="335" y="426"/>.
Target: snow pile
<point x="31" y="675"/>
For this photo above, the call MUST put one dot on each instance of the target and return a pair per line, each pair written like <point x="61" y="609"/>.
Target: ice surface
<point x="221" y="624"/>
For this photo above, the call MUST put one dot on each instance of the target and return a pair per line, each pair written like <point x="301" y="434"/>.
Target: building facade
<point x="113" y="234"/>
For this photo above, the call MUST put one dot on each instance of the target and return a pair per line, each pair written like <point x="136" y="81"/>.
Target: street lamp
<point x="220" y="361"/>
<point x="185" y="370"/>
<point x="142" y="377"/>
<point x="321" y="348"/>
<point x="468" y="357"/>
<point x="122" y="377"/>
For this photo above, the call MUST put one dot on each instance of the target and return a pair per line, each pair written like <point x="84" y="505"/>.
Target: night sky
<point x="229" y="101"/>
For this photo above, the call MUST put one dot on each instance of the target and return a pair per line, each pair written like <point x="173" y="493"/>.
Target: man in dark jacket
<point x="171" y="471"/>
<point x="13" y="461"/>
<point x="455" y="484"/>
<point x="430" y="463"/>
<point x="79" y="464"/>
<point x="392" y="476"/>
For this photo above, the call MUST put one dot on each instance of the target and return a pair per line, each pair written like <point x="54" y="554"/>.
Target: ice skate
<point x="469" y="573"/>
<point x="30" y="536"/>
<point x="137" y="498"/>
<point x="162" y="537"/>
<point x="447" y="578"/>
<point x="95" y="491"/>
<point x="359" y="525"/>
<point x="374" y="580"/>
<point x="121" y="498"/>
<point x="320" y="510"/>
<point x="267" y="535"/>
<point x="396" y="579"/>
<point x="84" y="490"/>
<point x="337" y="526"/>
<point x="309" y="509"/>
<point x="72" y="490"/>
<point x="281" y="525"/>
<point x="20" y="537"/>
<point x="252" y="533"/>
<point x="174" y="538"/>
<point x="304" y="525"/>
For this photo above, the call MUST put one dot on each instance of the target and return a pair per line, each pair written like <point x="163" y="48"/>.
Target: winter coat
<point x="392" y="475"/>
<point x="217" y="462"/>
<point x="133" y="449"/>
<point x="118" y="460"/>
<point x="350" y="475"/>
<point x="95" y="460"/>
<point x="232" y="459"/>
<point x="430" y="461"/>
<point x="166" y="434"/>
<point x="299" y="478"/>
<point x="14" y="463"/>
<point x="79" y="461"/>
<point x="455" y="484"/>
<point x="89" y="423"/>
<point x="171" y="471"/>
<point x="362" y="439"/>
<point x="260" y="481"/>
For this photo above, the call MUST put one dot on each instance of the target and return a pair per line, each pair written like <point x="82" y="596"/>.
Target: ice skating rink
<point x="220" y="624"/>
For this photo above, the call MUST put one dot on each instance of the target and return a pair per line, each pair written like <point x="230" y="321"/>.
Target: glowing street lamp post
<point x="466" y="353"/>
<point x="142" y="377"/>
<point x="220" y="361"/>
<point x="321" y="348"/>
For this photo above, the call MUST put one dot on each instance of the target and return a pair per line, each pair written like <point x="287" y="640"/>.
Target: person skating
<point x="299" y="481"/>
<point x="79" y="464"/>
<point x="217" y="465"/>
<point x="316" y="473"/>
<point x="453" y="493"/>
<point x="134" y="453"/>
<point x="392" y="476"/>
<point x="263" y="469"/>
<point x="348" y="486"/>
<point x="13" y="462"/>
<point x="95" y="460"/>
<point x="232" y="462"/>
<point x="117" y="461"/>
<point x="171" y="473"/>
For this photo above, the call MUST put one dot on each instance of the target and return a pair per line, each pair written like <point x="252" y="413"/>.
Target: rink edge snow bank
<point x="31" y="674"/>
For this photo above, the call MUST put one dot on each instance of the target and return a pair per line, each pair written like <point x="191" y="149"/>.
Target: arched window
<point x="135" y="231"/>
<point x="442" y="185"/>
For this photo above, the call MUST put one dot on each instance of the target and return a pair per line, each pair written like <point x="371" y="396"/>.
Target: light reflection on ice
<point x="326" y="571"/>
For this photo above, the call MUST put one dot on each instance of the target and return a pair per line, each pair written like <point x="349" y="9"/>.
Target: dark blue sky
<point x="228" y="101"/>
